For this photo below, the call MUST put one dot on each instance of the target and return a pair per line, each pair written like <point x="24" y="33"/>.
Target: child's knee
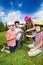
<point x="30" y="53"/>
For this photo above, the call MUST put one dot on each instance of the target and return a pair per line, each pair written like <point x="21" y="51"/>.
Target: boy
<point x="37" y="47"/>
<point x="19" y="42"/>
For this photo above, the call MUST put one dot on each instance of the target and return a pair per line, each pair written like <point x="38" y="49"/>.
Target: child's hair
<point x="29" y="25"/>
<point x="41" y="26"/>
<point x="17" y="22"/>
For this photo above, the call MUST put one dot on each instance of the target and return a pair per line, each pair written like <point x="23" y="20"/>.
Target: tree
<point x="1" y="27"/>
<point x="6" y="28"/>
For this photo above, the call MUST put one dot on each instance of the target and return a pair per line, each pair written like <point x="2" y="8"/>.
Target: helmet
<point x="27" y="17"/>
<point x="39" y="23"/>
<point x="10" y="23"/>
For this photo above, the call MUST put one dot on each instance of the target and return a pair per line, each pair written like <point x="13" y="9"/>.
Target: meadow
<point x="19" y="57"/>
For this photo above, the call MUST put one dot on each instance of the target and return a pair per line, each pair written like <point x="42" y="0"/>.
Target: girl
<point x="29" y="23"/>
<point x="37" y="47"/>
<point x="30" y="28"/>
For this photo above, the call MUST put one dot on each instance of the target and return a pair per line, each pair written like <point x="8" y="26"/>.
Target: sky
<point x="11" y="10"/>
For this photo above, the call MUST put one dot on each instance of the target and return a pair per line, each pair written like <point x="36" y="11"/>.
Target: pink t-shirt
<point x="38" y="38"/>
<point x="11" y="34"/>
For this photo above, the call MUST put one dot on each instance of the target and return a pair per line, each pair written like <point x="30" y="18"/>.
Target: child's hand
<point x="20" y="30"/>
<point x="28" y="30"/>
<point x="32" y="49"/>
<point x="26" y="35"/>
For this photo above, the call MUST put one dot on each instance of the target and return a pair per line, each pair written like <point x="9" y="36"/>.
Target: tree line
<point x="3" y="27"/>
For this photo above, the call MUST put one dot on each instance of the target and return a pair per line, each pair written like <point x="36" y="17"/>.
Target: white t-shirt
<point x="19" y="34"/>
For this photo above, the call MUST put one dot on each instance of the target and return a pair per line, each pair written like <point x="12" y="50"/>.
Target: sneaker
<point x="3" y="48"/>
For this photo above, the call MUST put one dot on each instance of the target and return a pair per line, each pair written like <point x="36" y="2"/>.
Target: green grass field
<point x="19" y="57"/>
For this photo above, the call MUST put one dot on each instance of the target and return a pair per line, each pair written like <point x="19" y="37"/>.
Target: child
<point x="19" y="42"/>
<point x="30" y="28"/>
<point x="37" y="47"/>
<point x="29" y="23"/>
<point x="11" y="38"/>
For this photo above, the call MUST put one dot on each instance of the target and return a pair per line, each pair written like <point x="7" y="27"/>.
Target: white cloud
<point x="20" y="4"/>
<point x="2" y="13"/>
<point x="13" y="16"/>
<point x="41" y="6"/>
<point x="38" y="16"/>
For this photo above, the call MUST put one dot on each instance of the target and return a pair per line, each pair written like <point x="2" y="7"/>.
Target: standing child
<point x="19" y="42"/>
<point x="37" y="47"/>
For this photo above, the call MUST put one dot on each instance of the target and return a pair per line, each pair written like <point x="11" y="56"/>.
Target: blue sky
<point x="20" y="7"/>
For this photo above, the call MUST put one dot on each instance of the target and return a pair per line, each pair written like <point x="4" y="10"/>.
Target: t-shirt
<point x="30" y="32"/>
<point x="11" y="34"/>
<point x="19" y="34"/>
<point x="38" y="38"/>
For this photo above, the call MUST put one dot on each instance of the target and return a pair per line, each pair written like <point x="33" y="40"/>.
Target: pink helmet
<point x="27" y="17"/>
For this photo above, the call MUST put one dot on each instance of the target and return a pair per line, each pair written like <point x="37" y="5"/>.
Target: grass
<point x="19" y="57"/>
